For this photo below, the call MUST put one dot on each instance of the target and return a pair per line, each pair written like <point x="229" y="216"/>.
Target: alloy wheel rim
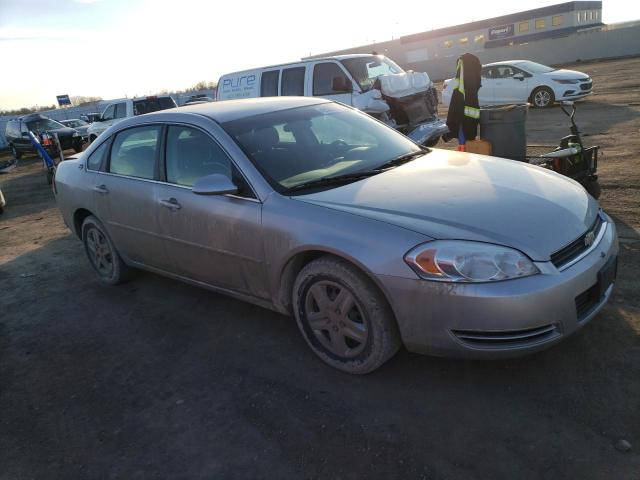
<point x="335" y="319"/>
<point x="542" y="98"/>
<point x="100" y="252"/>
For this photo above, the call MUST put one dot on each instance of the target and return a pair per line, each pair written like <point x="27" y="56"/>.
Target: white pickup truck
<point x="128" y="107"/>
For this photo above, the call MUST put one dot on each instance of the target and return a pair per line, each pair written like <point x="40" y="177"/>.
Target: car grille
<point x="577" y="247"/>
<point x="507" y="338"/>
<point x="586" y="86"/>
<point x="587" y="301"/>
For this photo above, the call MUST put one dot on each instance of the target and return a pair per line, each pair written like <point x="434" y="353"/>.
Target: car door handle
<point x="101" y="189"/>
<point x="170" y="203"/>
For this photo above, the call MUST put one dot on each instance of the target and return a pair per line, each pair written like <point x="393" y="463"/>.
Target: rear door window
<point x="293" y="81"/>
<point x="323" y="75"/>
<point x="134" y="152"/>
<point x="269" y="83"/>
<point x="95" y="159"/>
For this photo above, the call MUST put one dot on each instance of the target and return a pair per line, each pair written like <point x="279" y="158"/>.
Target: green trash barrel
<point x="505" y="127"/>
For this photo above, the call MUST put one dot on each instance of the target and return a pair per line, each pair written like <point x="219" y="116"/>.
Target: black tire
<point x="593" y="188"/>
<point x="542" y="97"/>
<point x="102" y="254"/>
<point x="16" y="154"/>
<point x="432" y="143"/>
<point x="366" y="333"/>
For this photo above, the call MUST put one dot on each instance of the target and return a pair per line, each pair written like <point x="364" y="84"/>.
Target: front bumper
<point x="501" y="319"/>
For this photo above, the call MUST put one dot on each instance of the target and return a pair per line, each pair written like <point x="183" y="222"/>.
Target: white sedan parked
<point x="521" y="81"/>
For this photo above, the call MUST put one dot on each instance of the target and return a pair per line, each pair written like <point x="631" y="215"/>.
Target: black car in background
<point x="79" y="125"/>
<point x="19" y="142"/>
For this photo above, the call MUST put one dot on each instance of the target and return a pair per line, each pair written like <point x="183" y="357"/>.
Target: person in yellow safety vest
<point x="464" y="110"/>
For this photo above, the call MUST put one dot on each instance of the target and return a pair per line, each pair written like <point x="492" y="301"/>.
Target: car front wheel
<point x="543" y="97"/>
<point x="343" y="317"/>
<point x="102" y="255"/>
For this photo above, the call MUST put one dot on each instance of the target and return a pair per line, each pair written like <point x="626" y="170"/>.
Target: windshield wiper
<point x="407" y="157"/>
<point x="333" y="180"/>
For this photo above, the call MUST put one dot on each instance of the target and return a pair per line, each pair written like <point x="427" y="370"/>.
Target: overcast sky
<point x="113" y="48"/>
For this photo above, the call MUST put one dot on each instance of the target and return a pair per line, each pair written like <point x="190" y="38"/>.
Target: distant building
<point x="485" y="38"/>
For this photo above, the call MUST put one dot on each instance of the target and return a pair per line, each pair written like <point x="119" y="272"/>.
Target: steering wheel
<point x="339" y="143"/>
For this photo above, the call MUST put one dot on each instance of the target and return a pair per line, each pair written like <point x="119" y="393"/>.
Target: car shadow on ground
<point x="156" y="377"/>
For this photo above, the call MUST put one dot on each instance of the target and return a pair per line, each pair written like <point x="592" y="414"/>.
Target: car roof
<point x="305" y="60"/>
<point x="33" y="116"/>
<point x="229" y="110"/>
<point x="504" y="62"/>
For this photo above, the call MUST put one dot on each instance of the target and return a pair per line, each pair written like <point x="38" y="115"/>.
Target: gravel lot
<point x="157" y="379"/>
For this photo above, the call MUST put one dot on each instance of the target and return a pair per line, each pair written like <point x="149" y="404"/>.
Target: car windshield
<point x="533" y="67"/>
<point x="43" y="124"/>
<point x="311" y="143"/>
<point x="365" y="70"/>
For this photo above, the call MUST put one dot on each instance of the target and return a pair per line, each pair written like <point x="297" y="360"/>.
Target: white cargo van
<point x="374" y="84"/>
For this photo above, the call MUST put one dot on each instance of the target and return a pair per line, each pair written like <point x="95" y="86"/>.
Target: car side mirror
<point x="341" y="84"/>
<point x="215" y="184"/>
<point x="518" y="76"/>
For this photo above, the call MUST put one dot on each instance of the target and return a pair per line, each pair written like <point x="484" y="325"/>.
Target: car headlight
<point x="566" y="82"/>
<point x="465" y="261"/>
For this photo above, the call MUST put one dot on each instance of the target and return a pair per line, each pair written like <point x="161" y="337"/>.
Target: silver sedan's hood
<point x="457" y="195"/>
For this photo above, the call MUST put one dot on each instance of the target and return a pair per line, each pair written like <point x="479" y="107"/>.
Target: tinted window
<point x="121" y="110"/>
<point x="134" y="152"/>
<point x="323" y="75"/>
<point x="152" y="104"/>
<point x="12" y="129"/>
<point x="269" y="84"/>
<point x="109" y="113"/>
<point x="95" y="159"/>
<point x="191" y="155"/>
<point x="293" y="81"/>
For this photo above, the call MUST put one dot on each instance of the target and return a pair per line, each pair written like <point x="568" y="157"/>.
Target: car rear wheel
<point x="343" y="317"/>
<point x="17" y="155"/>
<point x="101" y="252"/>
<point x="543" y="97"/>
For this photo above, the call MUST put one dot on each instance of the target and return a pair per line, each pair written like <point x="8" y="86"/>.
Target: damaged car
<point x="406" y="101"/>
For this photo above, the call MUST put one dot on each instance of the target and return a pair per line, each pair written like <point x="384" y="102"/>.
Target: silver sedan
<point x="316" y="210"/>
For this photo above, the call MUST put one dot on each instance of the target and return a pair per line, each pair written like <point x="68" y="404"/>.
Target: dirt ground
<point x="157" y="379"/>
